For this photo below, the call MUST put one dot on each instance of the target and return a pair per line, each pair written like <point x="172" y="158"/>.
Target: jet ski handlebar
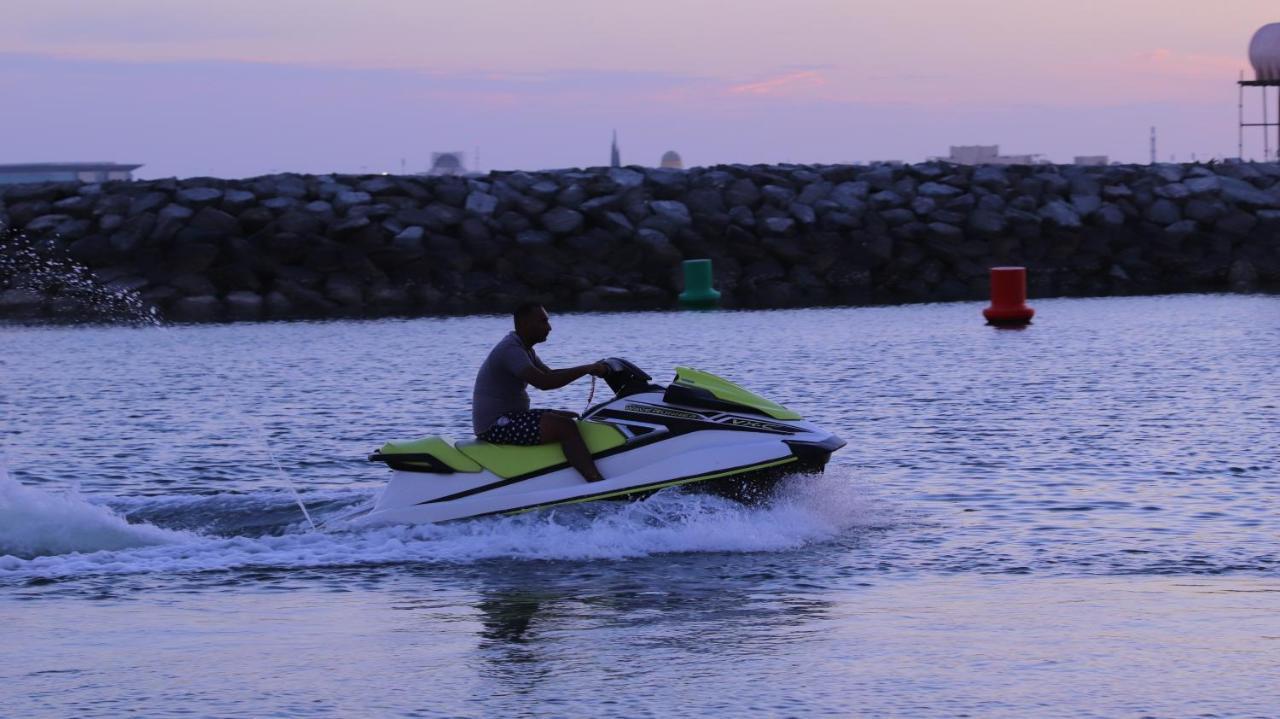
<point x="625" y="378"/>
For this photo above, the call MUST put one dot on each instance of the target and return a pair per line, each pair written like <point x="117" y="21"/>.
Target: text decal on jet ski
<point x="664" y="412"/>
<point x="757" y="424"/>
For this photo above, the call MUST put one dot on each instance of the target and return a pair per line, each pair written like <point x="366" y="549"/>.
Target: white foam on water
<point x="35" y="523"/>
<point x="810" y="510"/>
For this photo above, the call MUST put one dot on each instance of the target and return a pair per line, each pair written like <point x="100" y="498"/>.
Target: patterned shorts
<point x="523" y="428"/>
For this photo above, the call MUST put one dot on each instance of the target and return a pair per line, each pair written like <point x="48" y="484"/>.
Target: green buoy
<point x="698" y="293"/>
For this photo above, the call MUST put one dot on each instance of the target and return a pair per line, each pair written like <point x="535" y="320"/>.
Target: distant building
<point x="987" y="155"/>
<point x="65" y="172"/>
<point x="1092" y="160"/>
<point x="448" y="163"/>
<point x="615" y="157"/>
<point x="671" y="160"/>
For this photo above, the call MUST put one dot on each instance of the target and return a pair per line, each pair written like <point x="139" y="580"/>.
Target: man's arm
<point x="545" y="379"/>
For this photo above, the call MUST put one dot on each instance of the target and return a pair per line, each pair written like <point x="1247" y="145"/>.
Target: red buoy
<point x="1008" y="298"/>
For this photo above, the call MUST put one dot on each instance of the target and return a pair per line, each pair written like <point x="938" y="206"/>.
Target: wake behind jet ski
<point x="700" y="431"/>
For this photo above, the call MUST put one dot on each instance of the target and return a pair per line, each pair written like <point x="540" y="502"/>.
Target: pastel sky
<point x="244" y="87"/>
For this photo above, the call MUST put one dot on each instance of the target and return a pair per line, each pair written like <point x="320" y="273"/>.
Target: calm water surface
<point x="1076" y="519"/>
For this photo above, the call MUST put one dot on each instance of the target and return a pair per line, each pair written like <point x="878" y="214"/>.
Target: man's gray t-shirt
<point x="499" y="389"/>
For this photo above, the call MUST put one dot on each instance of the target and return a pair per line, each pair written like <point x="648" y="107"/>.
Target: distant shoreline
<point x="314" y="246"/>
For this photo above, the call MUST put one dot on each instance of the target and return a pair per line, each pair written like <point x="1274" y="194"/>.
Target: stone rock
<point x="779" y="225"/>
<point x="886" y="199"/>
<point x="349" y="198"/>
<point x="1086" y="204"/>
<point x="1242" y="276"/>
<point x="898" y="216"/>
<point x="534" y="238"/>
<point x="379" y="186"/>
<point x="344" y="289"/>
<point x="76" y="205"/>
<point x="604" y="203"/>
<point x="277" y="305"/>
<point x="878" y="178"/>
<point x="1242" y="193"/>
<point x="1109" y="216"/>
<point x="987" y="222"/>
<point x="1236" y="222"/>
<point x="280" y="204"/>
<point x="192" y="257"/>
<point x="572" y="196"/>
<point x="945" y="232"/>
<point x="481" y="203"/>
<point x="923" y="206"/>
<point x="209" y="225"/>
<point x="110" y="223"/>
<point x="1116" y="192"/>
<point x="742" y="193"/>
<point x="777" y="195"/>
<point x="934" y="190"/>
<point x="626" y="178"/>
<point x="19" y="301"/>
<point x="1163" y="212"/>
<point x="192" y="284"/>
<point x="992" y="177"/>
<point x="205" y="308"/>
<point x="45" y="223"/>
<point x="300" y="223"/>
<point x="803" y="213"/>
<point x="813" y="192"/>
<point x="244" y="305"/>
<point x="672" y="211"/>
<point x="562" y="220"/>
<point x="1085" y="185"/>
<point x="849" y="196"/>
<point x="199" y="196"/>
<point x="348" y="225"/>
<point x="1204" y="210"/>
<point x="1168" y="172"/>
<point x="1173" y="191"/>
<point x="705" y="201"/>
<point x="1201" y="186"/>
<point x="617" y="222"/>
<point x="237" y="201"/>
<point x="742" y="216"/>
<point x="130" y="235"/>
<point x="322" y="208"/>
<point x="1060" y="214"/>
<point x="441" y="215"/>
<point x="1181" y="228"/>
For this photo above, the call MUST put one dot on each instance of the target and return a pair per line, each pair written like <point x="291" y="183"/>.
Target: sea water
<point x="1075" y="519"/>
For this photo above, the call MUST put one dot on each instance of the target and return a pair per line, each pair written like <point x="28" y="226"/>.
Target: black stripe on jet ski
<point x="718" y="474"/>
<point x="678" y="426"/>
<point x="641" y="442"/>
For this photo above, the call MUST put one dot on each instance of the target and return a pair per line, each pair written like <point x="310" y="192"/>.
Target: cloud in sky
<point x="789" y="83"/>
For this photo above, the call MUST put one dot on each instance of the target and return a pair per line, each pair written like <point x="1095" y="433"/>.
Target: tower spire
<point x="615" y="157"/>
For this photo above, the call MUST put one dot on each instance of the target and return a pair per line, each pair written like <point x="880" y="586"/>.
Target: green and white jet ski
<point x="701" y="431"/>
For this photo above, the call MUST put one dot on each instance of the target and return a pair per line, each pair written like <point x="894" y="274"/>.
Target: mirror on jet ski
<point x="625" y="378"/>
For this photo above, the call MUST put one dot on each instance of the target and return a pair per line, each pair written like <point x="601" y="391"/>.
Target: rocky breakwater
<point x="779" y="235"/>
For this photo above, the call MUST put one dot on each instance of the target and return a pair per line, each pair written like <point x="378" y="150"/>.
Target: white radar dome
<point x="1264" y="52"/>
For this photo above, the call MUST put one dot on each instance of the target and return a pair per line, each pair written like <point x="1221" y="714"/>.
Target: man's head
<point x="532" y="323"/>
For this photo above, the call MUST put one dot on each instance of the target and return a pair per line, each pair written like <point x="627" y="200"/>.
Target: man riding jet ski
<point x="700" y="431"/>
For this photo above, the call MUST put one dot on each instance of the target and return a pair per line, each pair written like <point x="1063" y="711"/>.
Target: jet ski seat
<point x="428" y="454"/>
<point x="508" y="460"/>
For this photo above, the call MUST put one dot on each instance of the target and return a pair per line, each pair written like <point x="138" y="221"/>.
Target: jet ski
<point x="701" y="432"/>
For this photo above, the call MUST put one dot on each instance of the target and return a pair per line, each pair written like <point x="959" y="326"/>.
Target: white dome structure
<point x="1264" y="52"/>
